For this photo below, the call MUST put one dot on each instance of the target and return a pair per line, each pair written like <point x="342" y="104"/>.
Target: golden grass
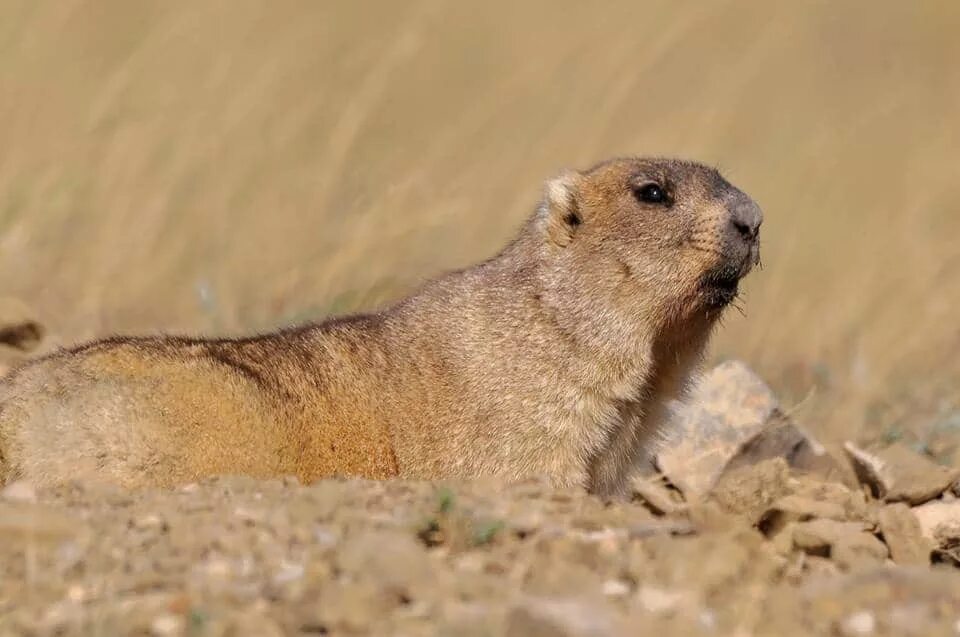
<point x="227" y="166"/>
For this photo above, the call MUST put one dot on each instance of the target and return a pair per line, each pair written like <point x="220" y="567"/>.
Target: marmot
<point x="553" y="358"/>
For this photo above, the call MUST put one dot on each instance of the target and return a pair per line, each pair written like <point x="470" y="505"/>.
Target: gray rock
<point x="899" y="474"/>
<point x="731" y="419"/>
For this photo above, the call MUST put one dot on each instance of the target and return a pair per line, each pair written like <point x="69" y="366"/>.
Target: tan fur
<point x="555" y="357"/>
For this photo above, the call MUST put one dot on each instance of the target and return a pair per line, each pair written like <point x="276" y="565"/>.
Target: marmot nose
<point x="746" y="217"/>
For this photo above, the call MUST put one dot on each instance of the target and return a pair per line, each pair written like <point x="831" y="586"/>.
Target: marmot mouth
<point x="721" y="285"/>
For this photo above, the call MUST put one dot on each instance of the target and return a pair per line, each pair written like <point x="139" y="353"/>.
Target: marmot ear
<point x="561" y="208"/>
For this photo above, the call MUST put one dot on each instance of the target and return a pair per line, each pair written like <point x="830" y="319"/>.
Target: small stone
<point x="658" y="600"/>
<point x="857" y="624"/>
<point x="217" y="568"/>
<point x="707" y="619"/>
<point x="859" y="551"/>
<point x="751" y="489"/>
<point x="657" y="496"/>
<point x="899" y="474"/>
<point x="251" y="516"/>
<point x="660" y="527"/>
<point x="19" y="491"/>
<point x="780" y="535"/>
<point x="325" y="536"/>
<point x="820" y="567"/>
<point x="288" y="572"/>
<point x="903" y="535"/>
<point x="853" y="501"/>
<point x="818" y="537"/>
<point x="615" y="588"/>
<point x="939" y="521"/>
<point x="798" y="508"/>
<point x="148" y="521"/>
<point x="558" y="618"/>
<point x="167" y="624"/>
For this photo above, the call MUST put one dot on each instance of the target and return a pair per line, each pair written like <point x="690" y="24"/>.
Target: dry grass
<point x="225" y="166"/>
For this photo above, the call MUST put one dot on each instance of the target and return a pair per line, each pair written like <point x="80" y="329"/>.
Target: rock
<point x="657" y="497"/>
<point x="899" y="474"/>
<point x="782" y="438"/>
<point x="819" y="536"/>
<point x="658" y="600"/>
<point x="780" y="536"/>
<point x="167" y="624"/>
<point x="903" y="535"/>
<point x="616" y="588"/>
<point x="731" y="420"/>
<point x="148" y="521"/>
<point x="798" y="508"/>
<point x="854" y="503"/>
<point x="536" y="617"/>
<point x="752" y="489"/>
<point x="858" y="551"/>
<point x="780" y="519"/>
<point x="288" y="572"/>
<point x="660" y="527"/>
<point x="820" y="567"/>
<point x="858" y="624"/>
<point x="847" y="544"/>
<point x="19" y="491"/>
<point x="939" y="521"/>
<point x="726" y="407"/>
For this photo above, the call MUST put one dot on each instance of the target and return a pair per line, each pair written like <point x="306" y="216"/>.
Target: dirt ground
<point x="228" y="167"/>
<point x="240" y="557"/>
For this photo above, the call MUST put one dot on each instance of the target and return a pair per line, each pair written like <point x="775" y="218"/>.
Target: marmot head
<point x="650" y="240"/>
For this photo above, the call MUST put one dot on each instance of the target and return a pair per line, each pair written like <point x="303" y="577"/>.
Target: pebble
<point x="558" y="618"/>
<point x="19" y="491"/>
<point x="615" y="588"/>
<point x="166" y="625"/>
<point x="658" y="600"/>
<point x="900" y="474"/>
<point x="288" y="572"/>
<point x="148" y="521"/>
<point x="859" y="623"/>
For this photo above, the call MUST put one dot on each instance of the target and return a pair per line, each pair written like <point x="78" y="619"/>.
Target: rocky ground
<point x="744" y="525"/>
<point x="241" y="557"/>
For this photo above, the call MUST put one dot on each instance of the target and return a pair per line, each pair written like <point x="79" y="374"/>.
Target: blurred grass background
<point x="222" y="167"/>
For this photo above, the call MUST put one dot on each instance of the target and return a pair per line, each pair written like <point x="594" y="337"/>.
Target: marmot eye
<point x="650" y="193"/>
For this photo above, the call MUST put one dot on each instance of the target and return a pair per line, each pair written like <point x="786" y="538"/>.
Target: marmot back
<point x="555" y="357"/>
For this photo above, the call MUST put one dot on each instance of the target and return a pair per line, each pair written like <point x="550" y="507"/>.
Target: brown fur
<point x="555" y="357"/>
